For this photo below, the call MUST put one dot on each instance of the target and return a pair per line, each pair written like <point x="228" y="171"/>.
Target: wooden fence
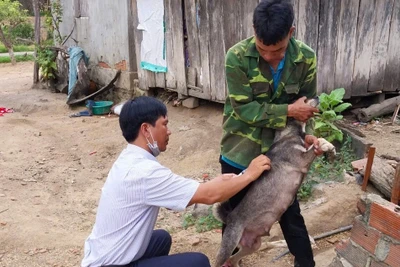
<point x="357" y="44"/>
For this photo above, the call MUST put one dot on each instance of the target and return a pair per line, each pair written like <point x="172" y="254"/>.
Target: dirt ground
<point x="52" y="168"/>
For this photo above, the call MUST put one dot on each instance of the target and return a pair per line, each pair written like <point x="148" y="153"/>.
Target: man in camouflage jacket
<point x="269" y="76"/>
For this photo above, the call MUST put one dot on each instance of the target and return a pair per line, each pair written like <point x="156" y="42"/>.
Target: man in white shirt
<point x="138" y="185"/>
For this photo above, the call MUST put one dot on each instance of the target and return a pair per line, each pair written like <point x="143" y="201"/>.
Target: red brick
<point x="364" y="236"/>
<point x="393" y="258"/>
<point x="359" y="164"/>
<point x="103" y="65"/>
<point x="385" y="219"/>
<point x="355" y="255"/>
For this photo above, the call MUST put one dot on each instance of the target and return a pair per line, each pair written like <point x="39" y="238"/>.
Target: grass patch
<point x="18" y="59"/>
<point x="202" y="224"/>
<point x="322" y="171"/>
<point x="18" y="48"/>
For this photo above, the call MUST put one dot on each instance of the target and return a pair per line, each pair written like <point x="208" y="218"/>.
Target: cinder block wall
<point x="375" y="237"/>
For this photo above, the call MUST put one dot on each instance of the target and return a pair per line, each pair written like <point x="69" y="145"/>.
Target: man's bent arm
<point x="225" y="186"/>
<point x="220" y="188"/>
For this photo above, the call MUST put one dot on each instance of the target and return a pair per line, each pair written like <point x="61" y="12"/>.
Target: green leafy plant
<point x="330" y="107"/>
<point x="202" y="224"/>
<point x="46" y="60"/>
<point x="305" y="189"/>
<point x="46" y="54"/>
<point x="188" y="220"/>
<point x="24" y="30"/>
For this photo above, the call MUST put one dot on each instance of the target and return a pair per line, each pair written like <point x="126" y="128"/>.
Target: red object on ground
<point x="5" y="110"/>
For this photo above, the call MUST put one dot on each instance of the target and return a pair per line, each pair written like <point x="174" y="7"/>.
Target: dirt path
<point x="53" y="168"/>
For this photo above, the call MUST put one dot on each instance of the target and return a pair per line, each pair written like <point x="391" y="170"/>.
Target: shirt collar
<point x="293" y="51"/>
<point x="140" y="151"/>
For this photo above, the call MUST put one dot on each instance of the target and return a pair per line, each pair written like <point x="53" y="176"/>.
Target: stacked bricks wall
<point x="375" y="236"/>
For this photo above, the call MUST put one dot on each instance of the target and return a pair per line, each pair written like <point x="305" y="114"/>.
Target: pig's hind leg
<point x="230" y="240"/>
<point x="245" y="249"/>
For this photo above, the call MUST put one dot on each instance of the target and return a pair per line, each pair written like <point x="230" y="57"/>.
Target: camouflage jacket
<point x="252" y="109"/>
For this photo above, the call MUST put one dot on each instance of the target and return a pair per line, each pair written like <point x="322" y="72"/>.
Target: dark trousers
<point x="292" y="224"/>
<point x="156" y="254"/>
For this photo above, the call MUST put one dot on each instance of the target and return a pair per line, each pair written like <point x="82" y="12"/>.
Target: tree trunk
<point x="382" y="176"/>
<point x="37" y="39"/>
<point x="8" y="45"/>
<point x="12" y="56"/>
<point x="376" y="110"/>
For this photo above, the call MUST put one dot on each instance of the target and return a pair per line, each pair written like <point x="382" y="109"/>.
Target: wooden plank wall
<point x="175" y="46"/>
<point x="306" y="17"/>
<point x="383" y="15"/>
<point x="327" y="46"/>
<point x="392" y="70"/>
<point x="356" y="41"/>
<point x="212" y="28"/>
<point x="346" y="45"/>
<point x="365" y="39"/>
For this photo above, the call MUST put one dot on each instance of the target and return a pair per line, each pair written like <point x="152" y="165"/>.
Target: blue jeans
<point x="157" y="254"/>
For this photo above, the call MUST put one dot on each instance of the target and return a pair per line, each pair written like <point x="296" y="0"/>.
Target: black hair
<point x="137" y="111"/>
<point x="272" y="20"/>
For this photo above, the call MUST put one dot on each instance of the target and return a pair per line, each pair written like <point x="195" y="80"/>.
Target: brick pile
<point x="375" y="236"/>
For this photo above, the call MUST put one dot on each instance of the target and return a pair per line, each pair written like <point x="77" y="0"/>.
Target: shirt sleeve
<point x="240" y="95"/>
<point x="165" y="189"/>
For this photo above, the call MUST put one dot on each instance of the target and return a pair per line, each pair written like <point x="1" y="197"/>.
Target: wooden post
<point x="36" y="10"/>
<point x="396" y="186"/>
<point x="371" y="154"/>
<point x="395" y="114"/>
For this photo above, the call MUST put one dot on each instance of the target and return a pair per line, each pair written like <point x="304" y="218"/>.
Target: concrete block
<point x="336" y="263"/>
<point x="362" y="207"/>
<point x="191" y="102"/>
<point x="378" y="264"/>
<point x="359" y="145"/>
<point x="382" y="248"/>
<point x="340" y="262"/>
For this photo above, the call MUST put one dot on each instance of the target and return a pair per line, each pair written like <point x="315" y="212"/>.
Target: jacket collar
<point x="293" y="52"/>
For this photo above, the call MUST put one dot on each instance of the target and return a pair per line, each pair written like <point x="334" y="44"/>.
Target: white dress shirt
<point x="136" y="187"/>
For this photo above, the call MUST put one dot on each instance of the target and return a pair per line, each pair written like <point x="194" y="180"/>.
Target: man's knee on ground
<point x="164" y="235"/>
<point x="199" y="259"/>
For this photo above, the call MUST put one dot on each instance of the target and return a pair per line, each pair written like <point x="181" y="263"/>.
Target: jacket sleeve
<point x="308" y="88"/>
<point x="241" y="97"/>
